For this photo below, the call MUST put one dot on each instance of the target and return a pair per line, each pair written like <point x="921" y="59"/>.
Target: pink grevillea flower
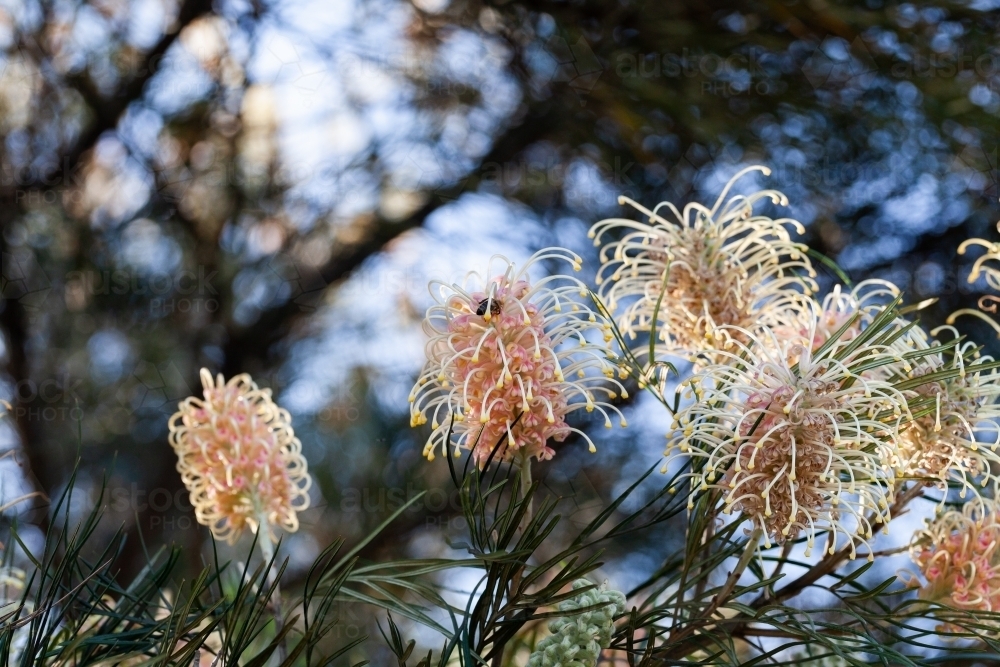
<point x="508" y="360"/>
<point x="794" y="447"/>
<point x="958" y="556"/>
<point x="238" y="456"/>
<point x="685" y="280"/>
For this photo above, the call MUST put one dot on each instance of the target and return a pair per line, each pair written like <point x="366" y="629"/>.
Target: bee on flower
<point x="240" y="460"/>
<point x="954" y="434"/>
<point x="508" y="360"/>
<point x="958" y="556"/>
<point x="708" y="274"/>
<point x="794" y="447"/>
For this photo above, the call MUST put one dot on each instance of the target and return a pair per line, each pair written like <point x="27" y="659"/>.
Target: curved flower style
<point x="958" y="557"/>
<point x="990" y="274"/>
<point x="508" y="360"/>
<point x="794" y="447"/>
<point x="718" y="267"/>
<point x="239" y="458"/>
<point x="950" y="414"/>
<point x="577" y="641"/>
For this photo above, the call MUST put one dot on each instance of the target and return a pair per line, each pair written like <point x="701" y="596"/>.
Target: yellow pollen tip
<point x="592" y="448"/>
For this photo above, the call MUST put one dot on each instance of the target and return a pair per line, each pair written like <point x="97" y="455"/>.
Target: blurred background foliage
<point x="266" y="187"/>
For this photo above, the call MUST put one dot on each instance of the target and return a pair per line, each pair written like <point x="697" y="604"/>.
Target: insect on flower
<point x="508" y="360"/>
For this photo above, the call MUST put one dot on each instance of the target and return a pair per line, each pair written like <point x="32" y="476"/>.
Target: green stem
<point x="274" y="602"/>
<point x="525" y="474"/>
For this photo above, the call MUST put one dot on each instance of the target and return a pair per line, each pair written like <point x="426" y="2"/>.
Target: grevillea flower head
<point x="577" y="640"/>
<point x="816" y="323"/>
<point x="954" y="435"/>
<point x="794" y="447"/>
<point x="959" y="558"/>
<point x="507" y="360"/>
<point x="239" y="458"/>
<point x="685" y="281"/>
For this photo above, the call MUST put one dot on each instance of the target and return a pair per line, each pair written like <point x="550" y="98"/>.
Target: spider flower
<point x="797" y="447"/>
<point x="954" y="434"/>
<point x="508" y="360"/>
<point x="820" y="320"/>
<point x="239" y="458"/>
<point x="684" y="282"/>
<point x="958" y="557"/>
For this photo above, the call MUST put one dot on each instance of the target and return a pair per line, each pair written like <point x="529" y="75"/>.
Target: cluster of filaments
<point x="508" y="361"/>
<point x="839" y="312"/>
<point x="958" y="556"/>
<point x="795" y="448"/>
<point x="684" y="281"/>
<point x="239" y="459"/>
<point x="953" y="436"/>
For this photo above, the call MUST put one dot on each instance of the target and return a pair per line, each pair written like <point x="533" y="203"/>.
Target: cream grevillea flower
<point x="707" y="269"/>
<point x="954" y="435"/>
<point x="821" y="319"/>
<point x="507" y="360"/>
<point x="238" y="456"/>
<point x="794" y="447"/>
<point x="958" y="556"/>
